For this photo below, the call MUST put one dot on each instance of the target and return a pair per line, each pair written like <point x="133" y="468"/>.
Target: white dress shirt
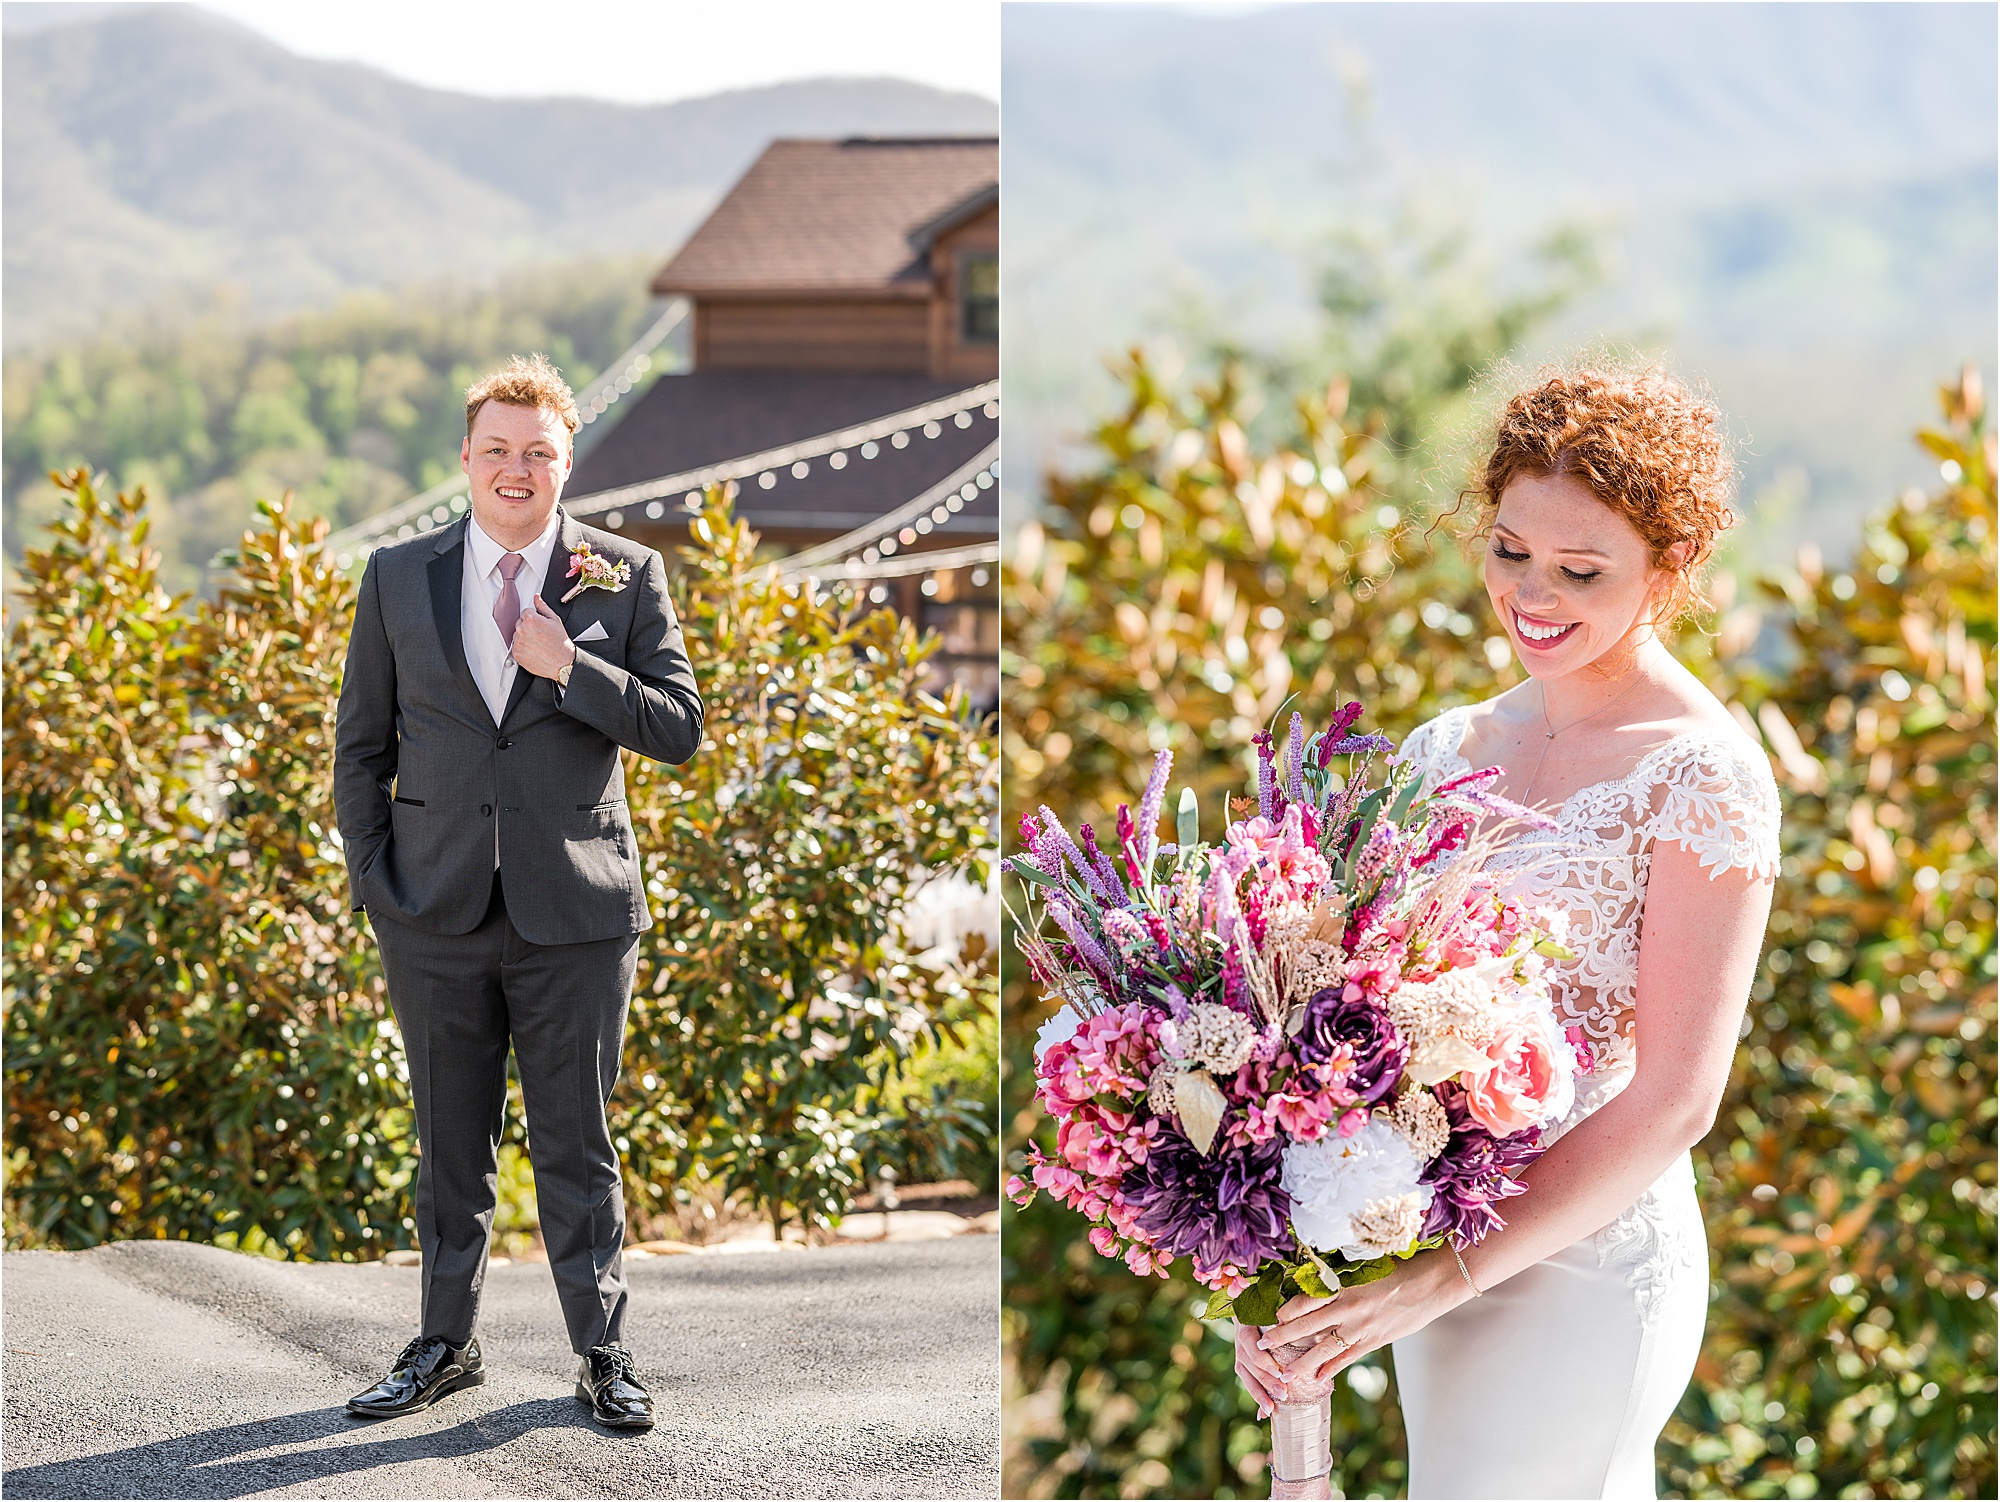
<point x="487" y="653"/>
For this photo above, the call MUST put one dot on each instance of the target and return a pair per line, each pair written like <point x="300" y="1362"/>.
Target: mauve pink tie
<point x="507" y="609"/>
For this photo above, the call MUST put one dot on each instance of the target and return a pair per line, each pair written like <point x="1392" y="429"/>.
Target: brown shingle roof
<point x="708" y="416"/>
<point x="831" y="216"/>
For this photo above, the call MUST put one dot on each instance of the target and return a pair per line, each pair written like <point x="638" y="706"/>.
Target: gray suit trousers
<point x="461" y="1000"/>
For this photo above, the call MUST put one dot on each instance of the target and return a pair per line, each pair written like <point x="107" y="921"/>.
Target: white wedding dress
<point x="1557" y="1382"/>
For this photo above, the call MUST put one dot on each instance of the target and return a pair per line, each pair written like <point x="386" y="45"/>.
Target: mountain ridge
<point x="152" y="155"/>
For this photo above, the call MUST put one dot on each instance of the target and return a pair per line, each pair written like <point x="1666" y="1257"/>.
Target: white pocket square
<point x="593" y="632"/>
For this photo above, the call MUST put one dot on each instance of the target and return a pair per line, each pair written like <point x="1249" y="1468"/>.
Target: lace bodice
<point x="1706" y="789"/>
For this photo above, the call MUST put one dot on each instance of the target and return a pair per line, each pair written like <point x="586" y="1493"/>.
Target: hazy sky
<point x="640" y="51"/>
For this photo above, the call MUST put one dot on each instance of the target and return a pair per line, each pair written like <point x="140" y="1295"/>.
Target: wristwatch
<point x="563" y="672"/>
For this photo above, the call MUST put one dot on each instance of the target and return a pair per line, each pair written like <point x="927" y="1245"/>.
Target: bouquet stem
<point x="1301" y="1435"/>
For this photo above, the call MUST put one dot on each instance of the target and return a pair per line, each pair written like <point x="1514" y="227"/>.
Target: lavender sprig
<point x="1150" y="808"/>
<point x="1062" y="841"/>
<point x="1295" y="751"/>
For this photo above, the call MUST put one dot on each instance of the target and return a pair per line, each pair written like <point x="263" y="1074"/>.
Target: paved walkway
<point x="170" y="1369"/>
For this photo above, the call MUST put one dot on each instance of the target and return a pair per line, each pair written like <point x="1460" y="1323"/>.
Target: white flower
<point x="1562" y="1094"/>
<point x="1421" y="1118"/>
<point x="1058" y="1029"/>
<point x="1217" y="1036"/>
<point x="1337" y="1180"/>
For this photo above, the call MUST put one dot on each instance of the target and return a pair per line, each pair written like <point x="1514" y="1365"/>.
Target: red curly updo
<point x="1646" y="446"/>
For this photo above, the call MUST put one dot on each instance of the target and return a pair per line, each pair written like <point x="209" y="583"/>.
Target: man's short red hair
<point x="530" y="382"/>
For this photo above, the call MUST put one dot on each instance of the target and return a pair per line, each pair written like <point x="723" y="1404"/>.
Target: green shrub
<point x="197" y="1043"/>
<point x="1849" y="1183"/>
<point x="197" y="1040"/>
<point x="774" y="994"/>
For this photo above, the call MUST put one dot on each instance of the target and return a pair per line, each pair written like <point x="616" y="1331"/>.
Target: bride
<point x="1547" y="1363"/>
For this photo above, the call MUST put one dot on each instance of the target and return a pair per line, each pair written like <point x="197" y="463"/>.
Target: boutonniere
<point x="598" y="572"/>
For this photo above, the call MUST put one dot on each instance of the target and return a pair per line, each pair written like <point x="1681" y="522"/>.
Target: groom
<point x="481" y="801"/>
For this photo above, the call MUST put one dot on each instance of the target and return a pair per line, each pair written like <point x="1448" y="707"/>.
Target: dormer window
<point x="979" y="298"/>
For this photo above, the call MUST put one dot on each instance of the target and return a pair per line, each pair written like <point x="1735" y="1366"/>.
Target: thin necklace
<point x="1550" y="733"/>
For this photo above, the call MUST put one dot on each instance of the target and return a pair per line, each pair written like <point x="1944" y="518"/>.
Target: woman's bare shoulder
<point x="1499" y="719"/>
<point x="1688" y="708"/>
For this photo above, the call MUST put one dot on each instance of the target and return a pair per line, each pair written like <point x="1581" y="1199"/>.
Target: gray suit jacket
<point x="421" y="772"/>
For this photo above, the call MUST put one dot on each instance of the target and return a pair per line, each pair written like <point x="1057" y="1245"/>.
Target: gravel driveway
<point x="171" y="1369"/>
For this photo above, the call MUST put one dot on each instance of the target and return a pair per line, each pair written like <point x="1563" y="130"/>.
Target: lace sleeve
<point x="1430" y="744"/>
<point x="1718" y="798"/>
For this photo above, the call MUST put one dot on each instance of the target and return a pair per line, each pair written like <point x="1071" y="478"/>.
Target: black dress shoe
<point x="607" y="1382"/>
<point x="429" y="1367"/>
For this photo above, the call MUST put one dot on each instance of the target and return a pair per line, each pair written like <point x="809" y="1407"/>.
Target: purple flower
<point x="1228" y="1207"/>
<point x="1088" y="950"/>
<point x="1347" y="745"/>
<point x="1333" y="1023"/>
<point x="1328" y="743"/>
<point x="1472" y="791"/>
<point x="1474" y="1172"/>
<point x="1060" y="841"/>
<point x="1150" y="807"/>
<point x="1295" y="749"/>
<point x="1112" y="885"/>
<point x="1270" y="802"/>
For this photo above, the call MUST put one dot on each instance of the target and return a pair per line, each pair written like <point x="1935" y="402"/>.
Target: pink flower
<point x="1353" y="1121"/>
<point x="1122" y="1216"/>
<point x="1513" y="1092"/>
<point x="1146" y="1262"/>
<point x="1226" y="1278"/>
<point x="1282" y="853"/>
<point x="1112" y="1053"/>
<point x="1019" y="1190"/>
<point x="1302" y="1117"/>
<point x="1105" y="1240"/>
<point x="1085" y="1144"/>
<point x="1058" y="1179"/>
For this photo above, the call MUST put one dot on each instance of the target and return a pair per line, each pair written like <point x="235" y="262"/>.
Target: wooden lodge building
<point x="844" y="299"/>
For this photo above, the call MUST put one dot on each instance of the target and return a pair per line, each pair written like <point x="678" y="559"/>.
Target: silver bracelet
<point x="1463" y="1269"/>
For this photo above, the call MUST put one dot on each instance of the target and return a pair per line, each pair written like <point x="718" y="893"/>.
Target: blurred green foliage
<point x="1178" y="593"/>
<point x="773" y="991"/>
<point x="197" y="1040"/>
<point x="353" y="409"/>
<point x="1850" y="1180"/>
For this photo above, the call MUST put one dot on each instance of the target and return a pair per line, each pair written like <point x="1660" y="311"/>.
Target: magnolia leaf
<point x="1259" y="1303"/>
<point x="1187" y="822"/>
<point x="1317" y="1265"/>
<point x="1442" y="1057"/>
<point x="1200" y="1106"/>
<point x="1329" y="919"/>
<point x="1220" y="1306"/>
<point x="1310" y="1281"/>
<point x="1368" y="1272"/>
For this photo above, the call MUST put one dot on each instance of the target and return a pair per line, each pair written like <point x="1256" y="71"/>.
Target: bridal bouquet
<point x="1293" y="1056"/>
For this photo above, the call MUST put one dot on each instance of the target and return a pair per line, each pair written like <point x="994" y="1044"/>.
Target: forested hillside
<point x="155" y="154"/>
<point x="1792" y="203"/>
<point x="354" y="409"/>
